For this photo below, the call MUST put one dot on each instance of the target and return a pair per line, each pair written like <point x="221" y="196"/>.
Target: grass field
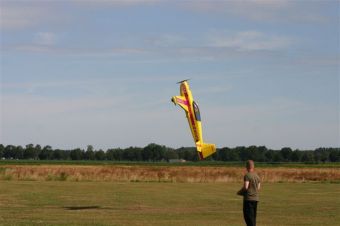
<point x="154" y="203"/>
<point x="92" y="193"/>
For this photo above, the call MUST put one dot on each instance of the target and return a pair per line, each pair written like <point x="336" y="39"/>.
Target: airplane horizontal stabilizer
<point x="207" y="150"/>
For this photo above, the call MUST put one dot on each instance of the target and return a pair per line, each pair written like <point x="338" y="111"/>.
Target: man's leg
<point x="255" y="212"/>
<point x="247" y="213"/>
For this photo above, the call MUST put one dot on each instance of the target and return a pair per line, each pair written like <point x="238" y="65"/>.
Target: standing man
<point x="250" y="193"/>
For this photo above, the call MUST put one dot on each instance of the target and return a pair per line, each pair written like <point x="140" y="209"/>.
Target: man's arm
<point x="246" y="185"/>
<point x="259" y="186"/>
<point x="244" y="189"/>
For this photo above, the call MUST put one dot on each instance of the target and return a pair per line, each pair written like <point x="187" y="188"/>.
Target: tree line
<point x="155" y="152"/>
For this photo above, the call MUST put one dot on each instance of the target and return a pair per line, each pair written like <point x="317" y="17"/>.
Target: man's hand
<point x="241" y="192"/>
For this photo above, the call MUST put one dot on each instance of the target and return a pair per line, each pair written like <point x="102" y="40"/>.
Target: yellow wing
<point x="181" y="101"/>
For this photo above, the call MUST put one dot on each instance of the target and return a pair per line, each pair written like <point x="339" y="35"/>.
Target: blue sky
<point x="75" y="73"/>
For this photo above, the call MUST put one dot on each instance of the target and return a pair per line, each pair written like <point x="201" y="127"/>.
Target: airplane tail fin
<point x="206" y="150"/>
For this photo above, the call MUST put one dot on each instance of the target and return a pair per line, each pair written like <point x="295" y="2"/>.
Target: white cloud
<point x="18" y="16"/>
<point x="45" y="38"/>
<point x="114" y="3"/>
<point x="167" y="40"/>
<point x="260" y="10"/>
<point x="45" y="45"/>
<point x="250" y="41"/>
<point x="26" y="14"/>
<point x="319" y="60"/>
<point x="208" y="47"/>
<point x="214" y="90"/>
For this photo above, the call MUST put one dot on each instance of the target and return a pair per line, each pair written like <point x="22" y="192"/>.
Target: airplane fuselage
<point x="192" y="112"/>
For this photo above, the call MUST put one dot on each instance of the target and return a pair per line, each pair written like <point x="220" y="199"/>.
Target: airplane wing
<point x="181" y="101"/>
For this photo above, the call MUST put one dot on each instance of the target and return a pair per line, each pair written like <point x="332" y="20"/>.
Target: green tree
<point x="243" y="152"/>
<point x="153" y="152"/>
<point x="2" y="149"/>
<point x="110" y="154"/>
<point x="233" y="155"/>
<point x="286" y="154"/>
<point x="269" y="156"/>
<point x="37" y="150"/>
<point x="29" y="152"/>
<point x="118" y="154"/>
<point x="159" y="152"/>
<point x="9" y="152"/>
<point x="19" y="152"/>
<point x="296" y="156"/>
<point x="187" y="153"/>
<point x="133" y="154"/>
<point x="334" y="155"/>
<point x="59" y="155"/>
<point x="76" y="154"/>
<point x="253" y="153"/>
<point x="321" y="154"/>
<point x="307" y="157"/>
<point x="261" y="151"/>
<point x="89" y="148"/>
<point x="138" y="154"/>
<point x="46" y="153"/>
<point x="89" y="154"/>
<point x="100" y="155"/>
<point x="227" y="154"/>
<point x="171" y="154"/>
<point x="277" y="156"/>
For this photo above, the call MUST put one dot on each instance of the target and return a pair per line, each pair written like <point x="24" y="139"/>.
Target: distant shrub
<point x="62" y="176"/>
<point x="50" y="177"/>
<point x="2" y="170"/>
<point x="7" y="177"/>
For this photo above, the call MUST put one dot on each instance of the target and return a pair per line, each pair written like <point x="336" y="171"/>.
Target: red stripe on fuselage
<point x="191" y="116"/>
<point x="185" y="102"/>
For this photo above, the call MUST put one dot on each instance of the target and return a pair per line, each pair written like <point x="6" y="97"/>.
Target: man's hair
<point x="250" y="164"/>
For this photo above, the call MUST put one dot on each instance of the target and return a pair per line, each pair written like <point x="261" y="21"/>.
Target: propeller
<point x="183" y="81"/>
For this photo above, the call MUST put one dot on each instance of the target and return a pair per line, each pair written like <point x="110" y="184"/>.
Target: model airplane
<point x="186" y="101"/>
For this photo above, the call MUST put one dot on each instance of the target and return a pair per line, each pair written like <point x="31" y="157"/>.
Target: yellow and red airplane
<point x="186" y="101"/>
